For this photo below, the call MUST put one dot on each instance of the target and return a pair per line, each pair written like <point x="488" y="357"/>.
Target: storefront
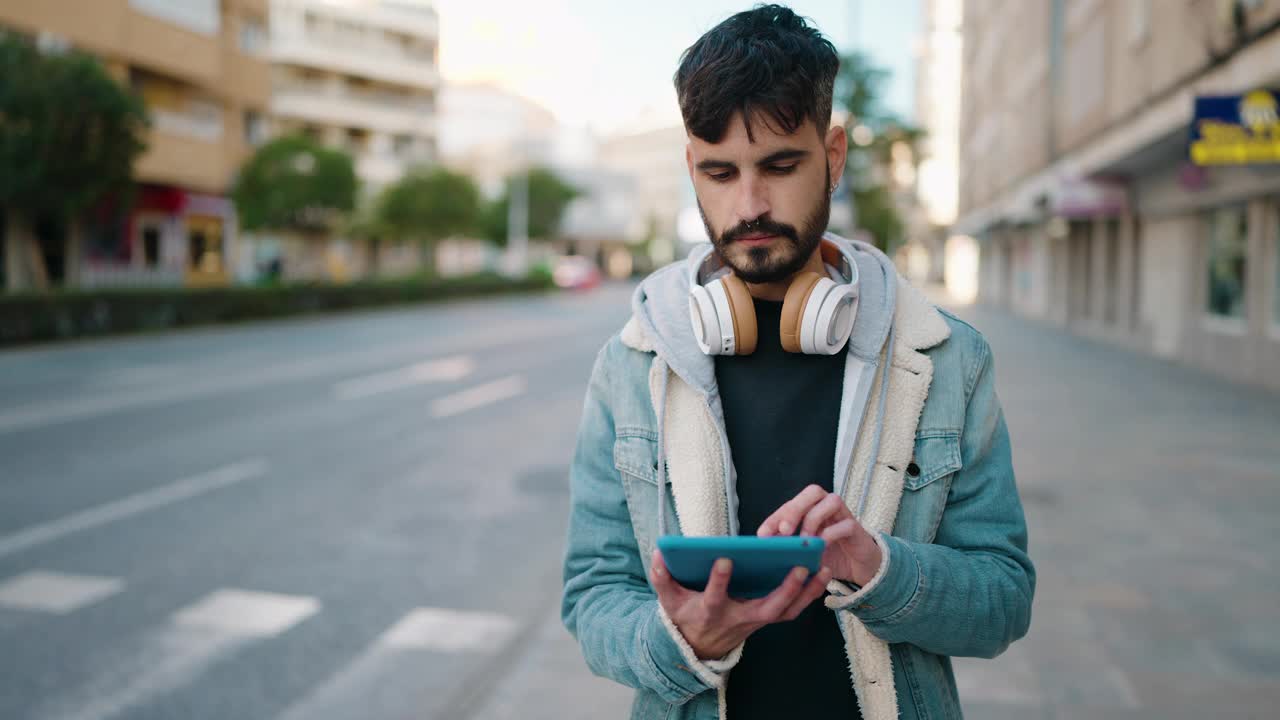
<point x="170" y="238"/>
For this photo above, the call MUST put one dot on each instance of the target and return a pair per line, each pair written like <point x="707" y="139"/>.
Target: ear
<point x="837" y="146"/>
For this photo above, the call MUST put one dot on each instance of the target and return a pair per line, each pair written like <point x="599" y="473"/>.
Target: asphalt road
<point x="347" y="517"/>
<point x="362" y="517"/>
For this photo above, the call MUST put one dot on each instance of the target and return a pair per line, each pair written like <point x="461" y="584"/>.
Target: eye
<point x="781" y="169"/>
<point x="721" y="176"/>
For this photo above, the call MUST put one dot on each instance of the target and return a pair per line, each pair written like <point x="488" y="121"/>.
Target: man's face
<point x="765" y="203"/>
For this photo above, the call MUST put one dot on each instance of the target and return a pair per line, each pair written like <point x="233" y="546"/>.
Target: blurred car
<point x="575" y="272"/>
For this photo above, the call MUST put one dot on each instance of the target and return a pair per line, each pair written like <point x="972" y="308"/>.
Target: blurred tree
<point x="872" y="131"/>
<point x="548" y="197"/>
<point x="69" y="135"/>
<point x="295" y="184"/>
<point x="428" y="206"/>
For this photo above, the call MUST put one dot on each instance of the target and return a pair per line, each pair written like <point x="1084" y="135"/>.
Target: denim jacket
<point x="955" y="578"/>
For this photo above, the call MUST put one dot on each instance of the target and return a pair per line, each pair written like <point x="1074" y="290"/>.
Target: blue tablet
<point x="760" y="564"/>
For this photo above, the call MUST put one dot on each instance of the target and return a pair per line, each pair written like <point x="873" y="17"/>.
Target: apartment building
<point x="1078" y="180"/>
<point x="200" y="67"/>
<point x="361" y="75"/>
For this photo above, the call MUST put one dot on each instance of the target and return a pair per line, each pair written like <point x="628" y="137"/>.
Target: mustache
<point x="760" y="226"/>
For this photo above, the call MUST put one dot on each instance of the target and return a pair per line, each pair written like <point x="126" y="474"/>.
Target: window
<point x="151" y="245"/>
<point x="1139" y="21"/>
<point x="204" y="242"/>
<point x="201" y="16"/>
<point x="1275" y="273"/>
<point x="1227" y="262"/>
<point x="402" y="144"/>
<point x="357" y="140"/>
<point x="4" y="251"/>
<point x="253" y="36"/>
<point x="255" y="128"/>
<point x="1111" y="270"/>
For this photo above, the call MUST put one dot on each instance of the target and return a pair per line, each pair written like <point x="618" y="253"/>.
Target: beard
<point x="782" y="258"/>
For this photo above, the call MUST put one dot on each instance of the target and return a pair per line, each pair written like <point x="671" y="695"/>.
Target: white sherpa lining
<point x="697" y="481"/>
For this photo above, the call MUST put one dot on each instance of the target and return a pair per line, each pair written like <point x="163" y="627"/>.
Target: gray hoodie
<point x="661" y="306"/>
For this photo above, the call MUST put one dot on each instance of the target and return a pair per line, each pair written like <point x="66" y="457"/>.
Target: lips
<point x="756" y="239"/>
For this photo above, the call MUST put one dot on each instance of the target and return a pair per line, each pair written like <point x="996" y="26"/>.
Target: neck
<point x="777" y="291"/>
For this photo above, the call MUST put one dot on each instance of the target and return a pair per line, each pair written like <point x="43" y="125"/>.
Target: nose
<point x="752" y="200"/>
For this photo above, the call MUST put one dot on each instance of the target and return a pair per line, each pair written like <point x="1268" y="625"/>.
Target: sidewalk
<point x="1152" y="494"/>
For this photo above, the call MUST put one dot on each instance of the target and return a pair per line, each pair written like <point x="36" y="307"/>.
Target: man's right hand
<point x="714" y="623"/>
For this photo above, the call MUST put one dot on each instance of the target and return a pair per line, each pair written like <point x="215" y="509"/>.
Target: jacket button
<point x="913" y="470"/>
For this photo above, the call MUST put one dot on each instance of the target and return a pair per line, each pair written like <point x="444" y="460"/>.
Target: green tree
<point x="872" y="130"/>
<point x="548" y="197"/>
<point x="295" y="184"/>
<point x="428" y="206"/>
<point x="69" y="135"/>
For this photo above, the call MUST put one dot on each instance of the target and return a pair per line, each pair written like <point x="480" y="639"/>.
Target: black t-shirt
<point x="781" y="413"/>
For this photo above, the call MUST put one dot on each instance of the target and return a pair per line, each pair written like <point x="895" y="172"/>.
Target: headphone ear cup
<point x="703" y="317"/>
<point x="743" y="310"/>
<point x="793" y="309"/>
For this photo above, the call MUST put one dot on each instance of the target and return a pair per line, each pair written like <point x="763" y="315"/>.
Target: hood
<point x="661" y="306"/>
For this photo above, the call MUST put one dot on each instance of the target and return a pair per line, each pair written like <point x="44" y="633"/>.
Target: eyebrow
<point x="779" y="156"/>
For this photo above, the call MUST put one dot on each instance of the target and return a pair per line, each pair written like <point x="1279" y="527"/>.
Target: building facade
<point x="360" y="75"/>
<point x="938" y="71"/>
<point x="201" y="69"/>
<point x="1077" y="182"/>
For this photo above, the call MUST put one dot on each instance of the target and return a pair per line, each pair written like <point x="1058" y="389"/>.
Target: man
<point x="734" y="402"/>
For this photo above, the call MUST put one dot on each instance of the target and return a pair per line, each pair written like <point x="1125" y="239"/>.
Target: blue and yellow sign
<point x="1237" y="129"/>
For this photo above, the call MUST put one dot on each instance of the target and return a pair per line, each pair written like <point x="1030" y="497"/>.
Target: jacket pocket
<point x="927" y="481"/>
<point x="635" y="456"/>
<point x="635" y="453"/>
<point x="935" y="456"/>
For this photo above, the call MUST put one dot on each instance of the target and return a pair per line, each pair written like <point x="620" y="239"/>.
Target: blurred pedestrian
<point x="784" y="380"/>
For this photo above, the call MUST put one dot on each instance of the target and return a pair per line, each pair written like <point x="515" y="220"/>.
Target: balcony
<point x="327" y="104"/>
<point x="367" y="58"/>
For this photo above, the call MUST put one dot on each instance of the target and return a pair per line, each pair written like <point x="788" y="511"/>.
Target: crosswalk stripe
<point x="248" y="614"/>
<point x="55" y="592"/>
<point x="170" y="656"/>
<point x="396" y="665"/>
<point x="450" y="631"/>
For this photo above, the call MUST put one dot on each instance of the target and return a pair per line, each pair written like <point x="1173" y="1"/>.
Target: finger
<point x="664" y="585"/>
<point x="813" y="590"/>
<point x="832" y="506"/>
<point x="786" y="519"/>
<point x="716" y="595"/>
<point x="838" y="531"/>
<point x="770" y="607"/>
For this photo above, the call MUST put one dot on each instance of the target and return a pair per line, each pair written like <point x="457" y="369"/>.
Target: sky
<point x="607" y="66"/>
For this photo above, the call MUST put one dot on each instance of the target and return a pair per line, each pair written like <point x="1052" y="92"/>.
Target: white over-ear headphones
<point x="817" y="314"/>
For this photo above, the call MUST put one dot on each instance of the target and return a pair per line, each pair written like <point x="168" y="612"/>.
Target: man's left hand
<point x="851" y="552"/>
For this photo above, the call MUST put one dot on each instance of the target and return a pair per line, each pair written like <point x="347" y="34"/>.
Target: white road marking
<point x="448" y="369"/>
<point x="26" y="417"/>
<point x="478" y="396"/>
<point x="55" y="592"/>
<point x="132" y="505"/>
<point x="450" y="631"/>
<point x="171" y="656"/>
<point x="248" y="614"/>
<point x="388" y="669"/>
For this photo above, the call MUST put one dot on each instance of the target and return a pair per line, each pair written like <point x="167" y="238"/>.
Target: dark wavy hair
<point x="766" y="61"/>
